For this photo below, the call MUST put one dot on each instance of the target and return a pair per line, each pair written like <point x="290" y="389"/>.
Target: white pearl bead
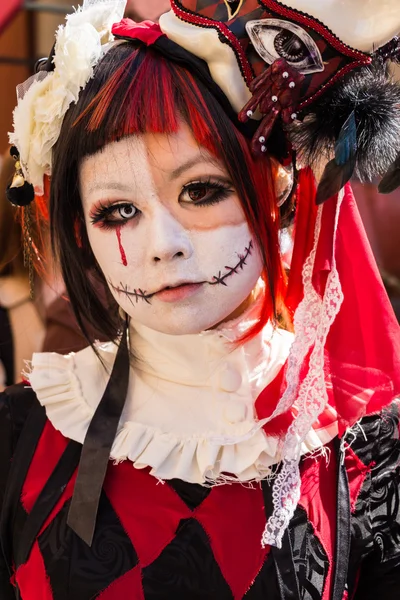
<point x="292" y="84"/>
<point x="249" y="113"/>
<point x="274" y="98"/>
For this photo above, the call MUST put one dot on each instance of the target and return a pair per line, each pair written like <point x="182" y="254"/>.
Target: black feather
<point x="391" y="180"/>
<point x="374" y="97"/>
<point x="333" y="179"/>
<point x="346" y="145"/>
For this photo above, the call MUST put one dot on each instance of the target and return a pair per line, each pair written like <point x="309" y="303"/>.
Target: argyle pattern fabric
<point x="160" y="540"/>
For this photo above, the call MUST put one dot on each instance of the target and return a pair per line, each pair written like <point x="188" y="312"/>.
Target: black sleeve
<point x="380" y="572"/>
<point x="15" y="405"/>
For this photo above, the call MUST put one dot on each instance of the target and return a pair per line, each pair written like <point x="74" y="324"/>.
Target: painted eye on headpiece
<point x="276" y="38"/>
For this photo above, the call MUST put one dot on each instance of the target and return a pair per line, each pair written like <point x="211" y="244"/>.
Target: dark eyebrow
<point x="119" y="186"/>
<point x="192" y="162"/>
<point x="123" y="187"/>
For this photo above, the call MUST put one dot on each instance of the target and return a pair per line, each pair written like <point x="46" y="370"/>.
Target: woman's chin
<point x="181" y="324"/>
<point x="169" y="328"/>
<point x="190" y="311"/>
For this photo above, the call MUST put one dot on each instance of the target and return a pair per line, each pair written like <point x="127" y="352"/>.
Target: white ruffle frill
<point x="189" y="412"/>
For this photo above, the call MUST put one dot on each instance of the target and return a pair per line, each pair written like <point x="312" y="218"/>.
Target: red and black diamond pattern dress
<point x="174" y="540"/>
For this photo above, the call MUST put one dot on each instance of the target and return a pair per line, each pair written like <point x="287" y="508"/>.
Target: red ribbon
<point x="146" y="32"/>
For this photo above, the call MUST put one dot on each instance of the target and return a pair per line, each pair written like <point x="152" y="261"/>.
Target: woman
<point x="240" y="467"/>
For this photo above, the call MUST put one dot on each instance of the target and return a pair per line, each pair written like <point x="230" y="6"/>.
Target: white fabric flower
<point x="45" y="98"/>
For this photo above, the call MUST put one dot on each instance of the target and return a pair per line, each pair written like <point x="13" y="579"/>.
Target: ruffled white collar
<point x="189" y="412"/>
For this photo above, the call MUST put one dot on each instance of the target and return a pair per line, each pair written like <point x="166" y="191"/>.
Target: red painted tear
<point x="121" y="248"/>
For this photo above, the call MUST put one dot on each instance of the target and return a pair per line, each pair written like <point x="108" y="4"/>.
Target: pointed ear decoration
<point x="391" y="180"/>
<point x="340" y="169"/>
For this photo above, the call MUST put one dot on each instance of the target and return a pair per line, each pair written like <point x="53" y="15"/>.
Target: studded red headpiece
<point x="283" y="62"/>
<point x="262" y="32"/>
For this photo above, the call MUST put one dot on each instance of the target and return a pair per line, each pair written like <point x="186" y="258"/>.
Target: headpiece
<point x="306" y="80"/>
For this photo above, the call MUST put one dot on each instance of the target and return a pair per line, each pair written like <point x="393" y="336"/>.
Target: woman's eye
<point x="205" y="193"/>
<point x="113" y="215"/>
<point x="127" y="211"/>
<point x="276" y="38"/>
<point x="197" y="193"/>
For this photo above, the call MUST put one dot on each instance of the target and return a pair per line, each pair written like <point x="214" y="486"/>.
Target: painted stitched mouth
<point x="138" y="294"/>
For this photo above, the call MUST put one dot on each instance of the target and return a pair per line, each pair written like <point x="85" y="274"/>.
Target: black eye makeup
<point x="206" y="192"/>
<point x="202" y="192"/>
<point x="111" y="215"/>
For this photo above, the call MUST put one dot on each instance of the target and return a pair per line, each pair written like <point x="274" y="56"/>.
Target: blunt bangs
<point x="145" y="94"/>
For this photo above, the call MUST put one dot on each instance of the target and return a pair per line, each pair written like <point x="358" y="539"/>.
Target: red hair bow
<point x="146" y="32"/>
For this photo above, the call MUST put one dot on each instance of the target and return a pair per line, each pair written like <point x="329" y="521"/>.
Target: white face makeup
<point x="168" y="231"/>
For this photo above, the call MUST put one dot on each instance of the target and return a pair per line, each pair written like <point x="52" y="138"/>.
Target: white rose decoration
<point x="46" y="97"/>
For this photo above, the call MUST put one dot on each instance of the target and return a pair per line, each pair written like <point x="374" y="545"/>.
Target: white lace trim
<point x="312" y="321"/>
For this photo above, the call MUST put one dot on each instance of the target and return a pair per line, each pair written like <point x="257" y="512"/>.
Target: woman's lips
<point x="181" y="292"/>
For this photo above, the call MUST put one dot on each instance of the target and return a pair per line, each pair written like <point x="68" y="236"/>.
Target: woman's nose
<point x="168" y="239"/>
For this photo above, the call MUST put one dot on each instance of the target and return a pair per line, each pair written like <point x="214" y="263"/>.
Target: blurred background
<point x="27" y="33"/>
<point x="46" y="322"/>
<point x="42" y="321"/>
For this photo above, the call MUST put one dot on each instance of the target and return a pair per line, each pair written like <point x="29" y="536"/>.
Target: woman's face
<point x="168" y="231"/>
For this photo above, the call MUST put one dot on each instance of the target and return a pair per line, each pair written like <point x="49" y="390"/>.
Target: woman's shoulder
<point x="55" y="377"/>
<point x="70" y="386"/>
<point x="16" y="403"/>
<point x="53" y="381"/>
